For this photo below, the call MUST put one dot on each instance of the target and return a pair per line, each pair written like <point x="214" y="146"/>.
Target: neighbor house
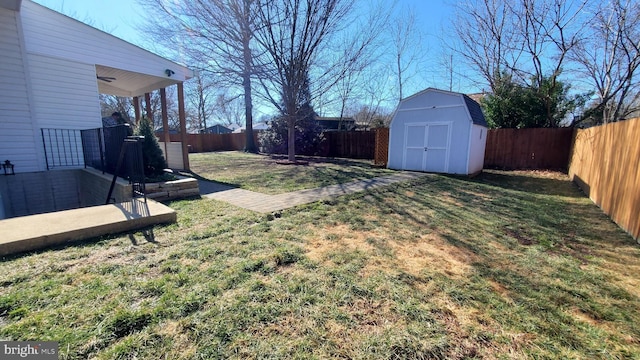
<point x="335" y="123"/>
<point x="216" y="129"/>
<point x="53" y="69"/>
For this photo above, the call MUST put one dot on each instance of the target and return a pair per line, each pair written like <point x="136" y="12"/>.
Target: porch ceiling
<point x="129" y="84"/>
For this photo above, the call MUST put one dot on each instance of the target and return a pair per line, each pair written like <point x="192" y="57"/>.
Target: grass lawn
<point x="505" y="265"/>
<point x="261" y="173"/>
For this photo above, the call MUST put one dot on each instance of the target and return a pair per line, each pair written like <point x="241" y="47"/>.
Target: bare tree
<point x="200" y="93"/>
<point x="406" y="46"/>
<point x="487" y="40"/>
<point x="218" y="33"/>
<point x="610" y="59"/>
<point x="306" y="41"/>
<point x="527" y="40"/>
<point x="545" y="27"/>
<point x="111" y="103"/>
<point x="228" y="109"/>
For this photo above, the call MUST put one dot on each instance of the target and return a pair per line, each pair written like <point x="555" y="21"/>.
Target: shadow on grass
<point x="530" y="184"/>
<point x="555" y="283"/>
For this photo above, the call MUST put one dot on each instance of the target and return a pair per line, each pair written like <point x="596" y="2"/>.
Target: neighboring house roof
<point x="256" y="126"/>
<point x="159" y="132"/>
<point x="216" y="129"/>
<point x="333" y="123"/>
<point x="335" y="118"/>
<point x="477" y="97"/>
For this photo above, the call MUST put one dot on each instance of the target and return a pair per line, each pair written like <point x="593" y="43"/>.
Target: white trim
<point x="469" y="146"/>
<point x="35" y="125"/>
<point x="433" y="107"/>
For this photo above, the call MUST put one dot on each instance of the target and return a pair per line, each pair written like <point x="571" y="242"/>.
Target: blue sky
<point x="121" y="18"/>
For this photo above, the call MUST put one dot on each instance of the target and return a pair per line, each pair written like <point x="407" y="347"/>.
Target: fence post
<point x="382" y="147"/>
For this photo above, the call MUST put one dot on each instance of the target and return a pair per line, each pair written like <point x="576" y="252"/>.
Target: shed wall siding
<point x="17" y="141"/>
<point x="40" y="23"/>
<point x="457" y="114"/>
<point x="430" y="99"/>
<point x="478" y="144"/>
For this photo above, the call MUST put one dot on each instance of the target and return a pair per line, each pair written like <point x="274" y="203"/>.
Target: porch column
<point x="165" y="122"/>
<point x="136" y="109"/>
<point x="147" y="101"/>
<point x="183" y="127"/>
<point x="165" y="117"/>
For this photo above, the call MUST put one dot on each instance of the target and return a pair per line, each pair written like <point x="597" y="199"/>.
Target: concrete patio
<point x="33" y="232"/>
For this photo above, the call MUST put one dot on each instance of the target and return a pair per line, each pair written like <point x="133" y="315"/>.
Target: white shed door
<point x="426" y="147"/>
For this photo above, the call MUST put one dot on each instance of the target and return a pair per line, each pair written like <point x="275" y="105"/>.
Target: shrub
<point x="154" y="162"/>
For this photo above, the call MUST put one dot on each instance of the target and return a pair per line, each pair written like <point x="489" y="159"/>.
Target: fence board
<point x="528" y="148"/>
<point x="382" y="147"/>
<point x="605" y="163"/>
<point x="214" y="142"/>
<point x="350" y="144"/>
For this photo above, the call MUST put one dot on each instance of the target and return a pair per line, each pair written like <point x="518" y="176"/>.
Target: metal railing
<point x="114" y="137"/>
<point x="130" y="165"/>
<point x="62" y="148"/>
<point x="98" y="148"/>
<point x="93" y="148"/>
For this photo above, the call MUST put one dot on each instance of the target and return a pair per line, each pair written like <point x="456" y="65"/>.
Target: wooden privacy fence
<point x="382" y="147"/>
<point x="605" y="163"/>
<point x="350" y="144"/>
<point x="512" y="149"/>
<point x="214" y="142"/>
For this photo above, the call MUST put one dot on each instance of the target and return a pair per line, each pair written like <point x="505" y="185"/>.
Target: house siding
<point x="65" y="93"/>
<point x="477" y="147"/>
<point x="40" y="22"/>
<point x="17" y="140"/>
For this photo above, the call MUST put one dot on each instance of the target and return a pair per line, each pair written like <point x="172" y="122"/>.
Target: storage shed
<point x="438" y="131"/>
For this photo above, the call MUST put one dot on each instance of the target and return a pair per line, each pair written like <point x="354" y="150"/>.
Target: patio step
<point x="34" y="232"/>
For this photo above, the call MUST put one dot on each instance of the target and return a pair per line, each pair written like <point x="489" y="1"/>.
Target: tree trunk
<point x="250" y="145"/>
<point x="291" y="148"/>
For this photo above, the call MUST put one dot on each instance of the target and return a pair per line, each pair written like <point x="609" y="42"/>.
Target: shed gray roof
<point x="475" y="111"/>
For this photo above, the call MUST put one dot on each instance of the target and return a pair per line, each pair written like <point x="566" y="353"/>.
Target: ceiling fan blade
<point x="105" y="78"/>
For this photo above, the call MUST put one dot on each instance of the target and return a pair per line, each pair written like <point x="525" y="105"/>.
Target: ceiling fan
<point x="105" y="78"/>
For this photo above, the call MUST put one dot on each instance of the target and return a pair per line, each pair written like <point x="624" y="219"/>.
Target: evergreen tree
<point x="308" y="135"/>
<point x="154" y="162"/>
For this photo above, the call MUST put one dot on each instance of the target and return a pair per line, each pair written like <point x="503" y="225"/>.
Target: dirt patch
<point x="448" y="198"/>
<point x="520" y="235"/>
<point x="181" y="344"/>
<point x="497" y="287"/>
<point x="345" y="239"/>
<point x="584" y="317"/>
